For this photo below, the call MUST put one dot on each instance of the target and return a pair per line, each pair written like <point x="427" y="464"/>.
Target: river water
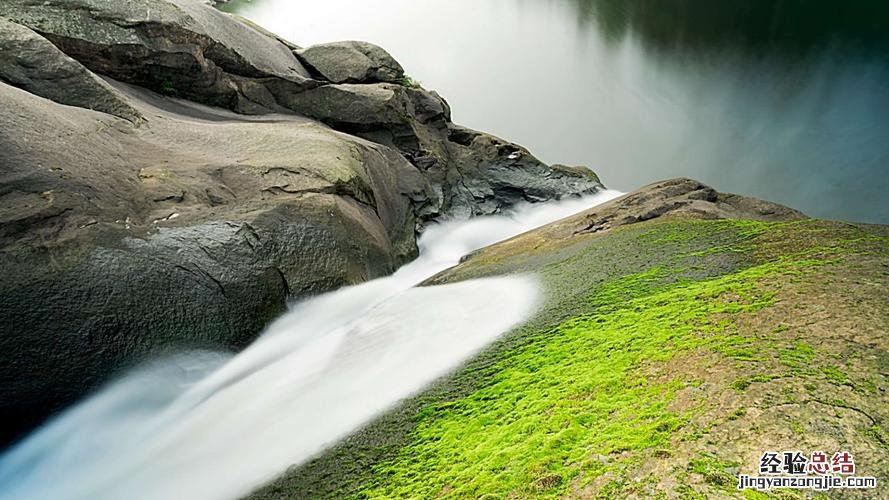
<point x="786" y="100"/>
<point x="212" y="426"/>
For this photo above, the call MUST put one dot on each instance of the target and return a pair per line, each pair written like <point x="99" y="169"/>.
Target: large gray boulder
<point x="30" y="62"/>
<point x="192" y="231"/>
<point x="182" y="47"/>
<point x="351" y="62"/>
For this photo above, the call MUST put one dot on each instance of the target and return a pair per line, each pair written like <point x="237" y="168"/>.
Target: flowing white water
<point x="209" y="426"/>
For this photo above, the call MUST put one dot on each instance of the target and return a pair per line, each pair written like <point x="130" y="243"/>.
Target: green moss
<point x="686" y="231"/>
<point x="878" y="435"/>
<point x="576" y="393"/>
<point x="167" y="88"/>
<point x="797" y="357"/>
<point x="834" y="375"/>
<point x="407" y="81"/>
<point x="613" y="294"/>
<point x="743" y="383"/>
<point x="780" y="328"/>
<point x="715" y="471"/>
<point x="738" y="413"/>
<point x="797" y="428"/>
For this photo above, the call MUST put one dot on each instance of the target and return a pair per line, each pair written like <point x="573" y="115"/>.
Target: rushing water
<point x="209" y="426"/>
<point x="782" y="99"/>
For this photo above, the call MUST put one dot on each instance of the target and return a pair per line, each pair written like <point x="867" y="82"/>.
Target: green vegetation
<point x="668" y="356"/>
<point x="577" y="393"/>
<point x="835" y="375"/>
<point x="407" y="81"/>
<point x="167" y="88"/>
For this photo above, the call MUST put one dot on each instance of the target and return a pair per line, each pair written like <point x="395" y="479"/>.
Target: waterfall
<point x="212" y="426"/>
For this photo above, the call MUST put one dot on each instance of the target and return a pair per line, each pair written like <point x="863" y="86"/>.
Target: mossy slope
<point x="668" y="356"/>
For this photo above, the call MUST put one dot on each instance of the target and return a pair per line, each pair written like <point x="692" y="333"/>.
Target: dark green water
<point x="784" y="100"/>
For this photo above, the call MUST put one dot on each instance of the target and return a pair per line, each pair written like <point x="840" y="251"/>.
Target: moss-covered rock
<point x="671" y="352"/>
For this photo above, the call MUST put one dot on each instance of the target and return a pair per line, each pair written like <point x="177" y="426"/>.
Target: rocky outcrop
<point x="32" y="63"/>
<point x="192" y="231"/>
<point x="351" y="62"/>
<point x="192" y="176"/>
<point x="473" y="173"/>
<point x="676" y="198"/>
<point x="187" y="49"/>
<point x="494" y="173"/>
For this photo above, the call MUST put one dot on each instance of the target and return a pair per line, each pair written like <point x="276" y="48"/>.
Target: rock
<point x="495" y="174"/>
<point x="683" y="198"/>
<point x="290" y="45"/>
<point x="32" y="63"/>
<point x="409" y="120"/>
<point x="354" y="107"/>
<point x="191" y="232"/>
<point x="188" y="49"/>
<point x="351" y="62"/>
<point x="476" y="173"/>
<point x="677" y="197"/>
<point x="661" y="290"/>
<point x="181" y="47"/>
<point x="575" y="172"/>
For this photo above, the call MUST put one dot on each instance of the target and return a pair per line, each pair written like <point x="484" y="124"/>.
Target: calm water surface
<point x="784" y="100"/>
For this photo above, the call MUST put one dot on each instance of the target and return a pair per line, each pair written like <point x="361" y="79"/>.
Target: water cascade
<point x="209" y="426"/>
